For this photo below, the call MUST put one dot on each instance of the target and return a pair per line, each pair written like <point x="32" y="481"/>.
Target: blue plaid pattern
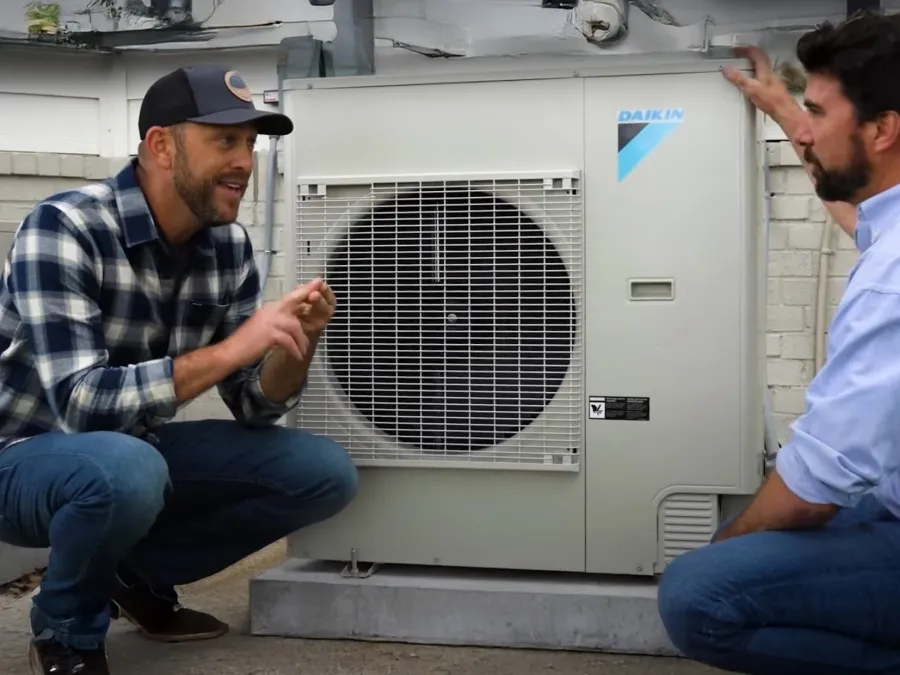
<point x="91" y="318"/>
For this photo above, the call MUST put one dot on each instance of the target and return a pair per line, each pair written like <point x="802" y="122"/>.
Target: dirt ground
<point x="242" y="654"/>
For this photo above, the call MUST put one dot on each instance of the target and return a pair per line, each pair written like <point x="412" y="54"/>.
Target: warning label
<point x="629" y="408"/>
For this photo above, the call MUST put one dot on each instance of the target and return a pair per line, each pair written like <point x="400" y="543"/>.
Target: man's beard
<point x="841" y="185"/>
<point x="199" y="194"/>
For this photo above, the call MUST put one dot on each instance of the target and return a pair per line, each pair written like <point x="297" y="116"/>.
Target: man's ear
<point x="887" y="132"/>
<point x="158" y="148"/>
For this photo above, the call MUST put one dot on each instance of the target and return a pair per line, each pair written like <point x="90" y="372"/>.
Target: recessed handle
<point x="651" y="289"/>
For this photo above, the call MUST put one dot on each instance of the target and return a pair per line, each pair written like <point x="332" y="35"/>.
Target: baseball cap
<point x="206" y="95"/>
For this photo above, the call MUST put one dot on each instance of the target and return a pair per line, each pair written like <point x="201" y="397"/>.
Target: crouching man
<point x="120" y="302"/>
<point x="806" y="581"/>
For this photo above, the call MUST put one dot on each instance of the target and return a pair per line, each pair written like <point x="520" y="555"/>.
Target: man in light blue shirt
<point x="807" y="579"/>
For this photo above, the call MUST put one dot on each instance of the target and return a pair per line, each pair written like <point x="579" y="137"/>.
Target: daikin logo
<point x="641" y="131"/>
<point x="652" y="115"/>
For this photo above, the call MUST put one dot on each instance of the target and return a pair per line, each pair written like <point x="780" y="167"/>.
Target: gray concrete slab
<point x="15" y="562"/>
<point x="475" y="608"/>
<point x="240" y="653"/>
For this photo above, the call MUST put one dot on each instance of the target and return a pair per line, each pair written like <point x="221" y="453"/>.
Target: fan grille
<point x="457" y="318"/>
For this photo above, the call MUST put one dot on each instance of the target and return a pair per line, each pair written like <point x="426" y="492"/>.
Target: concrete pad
<point x="478" y="608"/>
<point x="240" y="653"/>
<point x="16" y="562"/>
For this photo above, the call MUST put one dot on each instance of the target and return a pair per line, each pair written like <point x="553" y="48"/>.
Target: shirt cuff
<point x="157" y="385"/>
<point x="262" y="403"/>
<point x="795" y="473"/>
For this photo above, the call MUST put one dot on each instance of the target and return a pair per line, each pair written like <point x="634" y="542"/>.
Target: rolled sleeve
<point x="53" y="282"/>
<point x="262" y="407"/>
<point x="849" y="437"/>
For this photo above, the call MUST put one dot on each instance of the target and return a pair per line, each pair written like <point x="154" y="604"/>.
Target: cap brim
<point x="266" y="123"/>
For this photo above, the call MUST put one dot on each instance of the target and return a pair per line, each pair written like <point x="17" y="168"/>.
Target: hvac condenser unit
<point x="547" y="352"/>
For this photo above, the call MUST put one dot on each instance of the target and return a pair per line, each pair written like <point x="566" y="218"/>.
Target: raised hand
<point x="318" y="309"/>
<point x="275" y="324"/>
<point x="764" y="89"/>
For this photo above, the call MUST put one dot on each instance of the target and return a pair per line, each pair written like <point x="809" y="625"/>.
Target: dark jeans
<point x="211" y="493"/>
<point x="815" y="602"/>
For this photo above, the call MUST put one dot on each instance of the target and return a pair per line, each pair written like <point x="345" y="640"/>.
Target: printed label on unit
<point x="629" y="408"/>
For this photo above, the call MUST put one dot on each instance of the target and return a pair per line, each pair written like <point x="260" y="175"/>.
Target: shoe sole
<point x="193" y="637"/>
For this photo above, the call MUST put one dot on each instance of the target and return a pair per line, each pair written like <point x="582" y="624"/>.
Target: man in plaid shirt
<point x="120" y="302"/>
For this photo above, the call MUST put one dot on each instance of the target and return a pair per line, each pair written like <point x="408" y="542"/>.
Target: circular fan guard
<point x="455" y="320"/>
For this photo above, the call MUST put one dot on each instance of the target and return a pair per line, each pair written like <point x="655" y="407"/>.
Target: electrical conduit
<point x="269" y="214"/>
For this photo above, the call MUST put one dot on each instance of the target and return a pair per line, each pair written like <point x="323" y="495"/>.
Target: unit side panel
<point x="666" y="307"/>
<point x="470" y="517"/>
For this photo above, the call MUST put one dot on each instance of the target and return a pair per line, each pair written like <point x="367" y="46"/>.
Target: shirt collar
<point x="875" y="215"/>
<point x="138" y="224"/>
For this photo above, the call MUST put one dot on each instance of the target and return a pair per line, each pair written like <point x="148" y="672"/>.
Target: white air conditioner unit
<point x="548" y="348"/>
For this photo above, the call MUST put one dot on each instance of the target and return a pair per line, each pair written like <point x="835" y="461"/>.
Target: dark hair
<point x="863" y="55"/>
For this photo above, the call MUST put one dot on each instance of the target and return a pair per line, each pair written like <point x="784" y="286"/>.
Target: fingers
<point x="314" y="297"/>
<point x="756" y="56"/>
<point x="300" y="295"/>
<point x="330" y="297"/>
<point x="760" y="62"/>
<point x="736" y="77"/>
<point x="290" y="337"/>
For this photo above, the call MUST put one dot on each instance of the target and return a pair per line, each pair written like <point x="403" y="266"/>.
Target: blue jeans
<point x="815" y="602"/>
<point x="208" y="495"/>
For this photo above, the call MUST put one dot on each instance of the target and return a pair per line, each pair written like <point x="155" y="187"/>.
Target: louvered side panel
<point x="686" y="522"/>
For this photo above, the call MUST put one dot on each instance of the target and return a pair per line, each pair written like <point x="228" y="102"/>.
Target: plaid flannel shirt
<point x="91" y="318"/>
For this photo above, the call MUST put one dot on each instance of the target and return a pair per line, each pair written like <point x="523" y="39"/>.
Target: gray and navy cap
<point x="206" y="95"/>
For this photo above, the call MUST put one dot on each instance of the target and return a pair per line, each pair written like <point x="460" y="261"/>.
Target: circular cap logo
<point x="237" y="86"/>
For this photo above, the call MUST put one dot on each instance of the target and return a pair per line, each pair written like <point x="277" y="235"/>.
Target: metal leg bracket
<point x="352" y="570"/>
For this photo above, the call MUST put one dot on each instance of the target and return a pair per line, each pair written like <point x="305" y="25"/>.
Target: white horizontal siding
<point x="88" y="105"/>
<point x="49" y="123"/>
<point x="52" y="102"/>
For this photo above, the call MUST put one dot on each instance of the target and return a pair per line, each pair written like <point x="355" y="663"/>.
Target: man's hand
<point x="775" y="507"/>
<point x="765" y="90"/>
<point x="318" y="310"/>
<point x="275" y="324"/>
<point x="770" y="95"/>
<point x="311" y="306"/>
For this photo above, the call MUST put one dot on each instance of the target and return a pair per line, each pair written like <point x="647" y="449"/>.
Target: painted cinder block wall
<point x="795" y="229"/>
<point x="795" y="240"/>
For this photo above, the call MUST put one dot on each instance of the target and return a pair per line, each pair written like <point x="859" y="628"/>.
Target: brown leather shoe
<point x="163" y="619"/>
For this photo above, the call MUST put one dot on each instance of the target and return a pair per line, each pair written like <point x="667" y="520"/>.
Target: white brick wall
<point x="797" y="219"/>
<point x="795" y="231"/>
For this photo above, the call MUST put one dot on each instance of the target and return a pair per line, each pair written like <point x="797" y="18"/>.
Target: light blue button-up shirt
<point x="847" y="443"/>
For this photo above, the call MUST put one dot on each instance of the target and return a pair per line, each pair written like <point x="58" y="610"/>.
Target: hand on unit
<point x="318" y="308"/>
<point x="766" y="90"/>
<point x="276" y="324"/>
